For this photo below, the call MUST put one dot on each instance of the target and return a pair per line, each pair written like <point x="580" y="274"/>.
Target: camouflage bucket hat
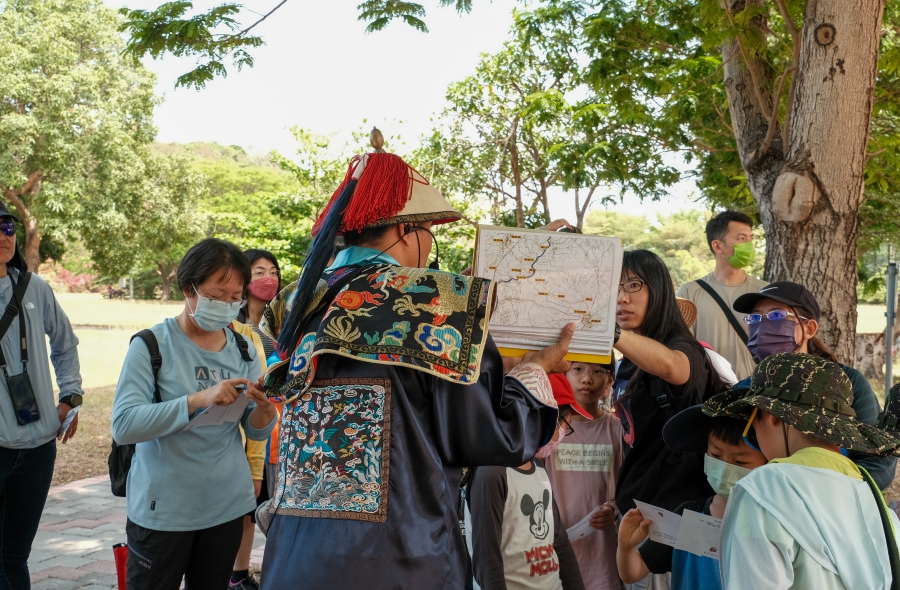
<point x="889" y="419"/>
<point x="809" y="393"/>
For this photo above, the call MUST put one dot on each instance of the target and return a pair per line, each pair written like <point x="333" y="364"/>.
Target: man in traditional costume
<point x="391" y="385"/>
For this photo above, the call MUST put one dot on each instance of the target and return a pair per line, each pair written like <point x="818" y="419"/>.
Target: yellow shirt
<point x="256" y="449"/>
<point x="823" y="459"/>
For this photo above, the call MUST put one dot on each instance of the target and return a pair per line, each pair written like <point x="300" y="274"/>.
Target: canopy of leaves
<point x="528" y="122"/>
<point x="74" y="113"/>
<point x="216" y="35"/>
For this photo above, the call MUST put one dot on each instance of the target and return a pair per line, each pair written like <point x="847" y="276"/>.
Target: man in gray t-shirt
<point x="730" y="237"/>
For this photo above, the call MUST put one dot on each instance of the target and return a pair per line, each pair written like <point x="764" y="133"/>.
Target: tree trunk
<point x="33" y="235"/>
<point x="809" y="193"/>
<point x="166" y="275"/>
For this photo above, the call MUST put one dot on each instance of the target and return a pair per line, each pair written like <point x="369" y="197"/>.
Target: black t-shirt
<point x="658" y="557"/>
<point x="651" y="471"/>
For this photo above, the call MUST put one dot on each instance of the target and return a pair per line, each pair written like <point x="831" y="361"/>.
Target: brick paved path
<point x="73" y="547"/>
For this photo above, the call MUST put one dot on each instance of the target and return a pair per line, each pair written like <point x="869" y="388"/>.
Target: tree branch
<point x="756" y="87"/>
<point x="773" y="122"/>
<point x="795" y="60"/>
<point x="264" y="17"/>
<point x="15" y="196"/>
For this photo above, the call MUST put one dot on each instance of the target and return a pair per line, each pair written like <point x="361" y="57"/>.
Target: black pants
<point x="24" y="482"/>
<point x="157" y="560"/>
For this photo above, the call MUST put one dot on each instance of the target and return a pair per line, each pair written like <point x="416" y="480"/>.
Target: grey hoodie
<point x="43" y="316"/>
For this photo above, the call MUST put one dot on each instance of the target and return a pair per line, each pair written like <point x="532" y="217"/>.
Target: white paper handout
<point x="665" y="524"/>
<point x="699" y="534"/>
<point x="68" y="421"/>
<point x="215" y="415"/>
<point x="582" y="528"/>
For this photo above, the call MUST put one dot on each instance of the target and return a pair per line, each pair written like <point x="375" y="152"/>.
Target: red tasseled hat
<point x="389" y="191"/>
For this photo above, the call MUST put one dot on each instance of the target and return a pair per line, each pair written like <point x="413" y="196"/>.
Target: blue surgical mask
<point x="213" y="315"/>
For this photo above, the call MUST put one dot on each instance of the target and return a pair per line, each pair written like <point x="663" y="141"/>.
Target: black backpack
<point x="120" y="456"/>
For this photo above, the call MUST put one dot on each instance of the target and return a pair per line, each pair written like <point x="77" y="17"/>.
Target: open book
<point x="546" y="280"/>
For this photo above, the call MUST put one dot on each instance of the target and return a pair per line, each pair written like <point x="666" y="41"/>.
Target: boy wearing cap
<point x="728" y="459"/>
<point x="583" y="473"/>
<point x="784" y="317"/>
<point x="810" y="518"/>
<point x="518" y="541"/>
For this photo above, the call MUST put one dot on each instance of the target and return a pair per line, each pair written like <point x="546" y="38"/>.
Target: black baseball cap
<point x="793" y="294"/>
<point x="4" y="212"/>
<point x="688" y="430"/>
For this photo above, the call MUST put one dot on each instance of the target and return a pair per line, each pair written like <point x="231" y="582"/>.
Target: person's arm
<point x="672" y="366"/>
<point x="135" y="416"/>
<point x="487" y="499"/>
<point x="757" y="552"/>
<point x="865" y="403"/>
<point x="633" y="529"/>
<point x="63" y="342"/>
<point x="569" y="572"/>
<point x="260" y="416"/>
<point x="500" y="419"/>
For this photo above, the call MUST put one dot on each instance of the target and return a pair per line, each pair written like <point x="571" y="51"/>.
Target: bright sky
<point x="320" y="71"/>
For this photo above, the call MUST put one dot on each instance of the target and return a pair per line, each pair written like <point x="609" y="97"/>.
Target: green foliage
<point x="168" y="30"/>
<point x="528" y="122"/>
<point x="156" y="228"/>
<point x="75" y="115"/>
<point x="679" y="239"/>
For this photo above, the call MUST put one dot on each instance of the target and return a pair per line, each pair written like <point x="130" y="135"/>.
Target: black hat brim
<point x="688" y="430"/>
<point x="746" y="302"/>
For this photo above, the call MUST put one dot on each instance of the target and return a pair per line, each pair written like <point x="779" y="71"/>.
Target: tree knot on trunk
<point x="794" y="197"/>
<point x="825" y="34"/>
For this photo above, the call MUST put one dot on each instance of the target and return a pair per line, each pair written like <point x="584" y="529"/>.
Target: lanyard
<point x="16" y="302"/>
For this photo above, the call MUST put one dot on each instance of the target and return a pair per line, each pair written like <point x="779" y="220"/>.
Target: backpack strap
<point x="739" y="330"/>
<point x="243" y="345"/>
<point x="888" y="525"/>
<point x="149" y="339"/>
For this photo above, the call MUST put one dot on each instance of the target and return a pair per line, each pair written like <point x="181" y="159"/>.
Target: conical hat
<point x="389" y="192"/>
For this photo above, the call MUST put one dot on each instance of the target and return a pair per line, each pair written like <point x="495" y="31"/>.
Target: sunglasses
<point x="775" y="315"/>
<point x="8" y="228"/>
<point x="750" y="436"/>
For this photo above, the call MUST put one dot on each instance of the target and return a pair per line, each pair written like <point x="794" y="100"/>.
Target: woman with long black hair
<point x="665" y="370"/>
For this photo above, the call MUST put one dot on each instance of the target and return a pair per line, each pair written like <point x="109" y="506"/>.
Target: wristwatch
<point x="73" y="399"/>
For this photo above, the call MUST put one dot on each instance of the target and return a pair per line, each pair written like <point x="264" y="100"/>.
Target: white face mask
<point x="721" y="475"/>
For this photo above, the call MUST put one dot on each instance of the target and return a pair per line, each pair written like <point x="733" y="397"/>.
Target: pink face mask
<point x="550" y="448"/>
<point x="265" y="289"/>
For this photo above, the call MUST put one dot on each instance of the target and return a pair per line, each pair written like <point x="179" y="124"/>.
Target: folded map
<point x="546" y="280"/>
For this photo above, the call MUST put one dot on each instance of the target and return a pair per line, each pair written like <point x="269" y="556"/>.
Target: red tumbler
<point x="120" y="552"/>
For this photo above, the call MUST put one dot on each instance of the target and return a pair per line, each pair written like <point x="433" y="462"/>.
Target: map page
<point x="546" y="280"/>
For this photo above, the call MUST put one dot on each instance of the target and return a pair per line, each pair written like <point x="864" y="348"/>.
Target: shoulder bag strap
<point x="724" y="306"/>
<point x="149" y="339"/>
<point x="888" y="525"/>
<point x="242" y="344"/>
<point x="13" y="309"/>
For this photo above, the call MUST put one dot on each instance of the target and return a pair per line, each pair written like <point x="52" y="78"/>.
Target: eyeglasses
<point x="8" y="228"/>
<point x="569" y="429"/>
<point x="750" y="437"/>
<point x="632" y="286"/>
<point x="259" y="273"/>
<point x="776" y="315"/>
<point x="232" y="304"/>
